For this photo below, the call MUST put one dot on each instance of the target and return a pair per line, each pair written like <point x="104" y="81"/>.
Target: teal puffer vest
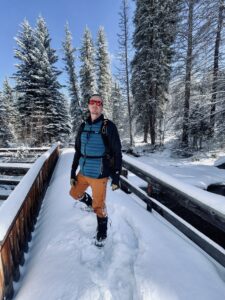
<point x="92" y="150"/>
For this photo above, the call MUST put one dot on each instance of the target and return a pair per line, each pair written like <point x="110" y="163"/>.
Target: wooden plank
<point x="11" y="177"/>
<point x="24" y="149"/>
<point x="14" y="168"/>
<point x="9" y="181"/>
<point x="4" y="194"/>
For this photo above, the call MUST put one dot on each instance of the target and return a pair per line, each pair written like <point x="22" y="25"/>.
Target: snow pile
<point x="219" y="161"/>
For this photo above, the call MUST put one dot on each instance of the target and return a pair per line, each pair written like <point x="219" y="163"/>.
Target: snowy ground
<point x="144" y="258"/>
<point x="200" y="173"/>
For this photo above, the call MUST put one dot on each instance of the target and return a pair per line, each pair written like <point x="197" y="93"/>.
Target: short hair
<point x="96" y="95"/>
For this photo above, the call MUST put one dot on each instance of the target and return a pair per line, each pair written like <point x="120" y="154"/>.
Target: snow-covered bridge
<point x="145" y="257"/>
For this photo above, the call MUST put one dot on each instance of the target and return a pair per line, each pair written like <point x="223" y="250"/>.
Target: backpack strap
<point x="105" y="136"/>
<point x="82" y="127"/>
<point x="104" y="127"/>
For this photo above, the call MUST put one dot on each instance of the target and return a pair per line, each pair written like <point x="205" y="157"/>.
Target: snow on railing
<point x="17" y="218"/>
<point x="214" y="204"/>
<point x="203" y="204"/>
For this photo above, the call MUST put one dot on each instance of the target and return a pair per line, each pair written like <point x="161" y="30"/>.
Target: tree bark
<point x="146" y="129"/>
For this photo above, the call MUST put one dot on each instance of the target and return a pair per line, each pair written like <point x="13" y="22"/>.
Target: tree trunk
<point x="216" y="66"/>
<point x="152" y="112"/>
<point x="126" y="35"/>
<point x="146" y="129"/>
<point x="152" y="128"/>
<point x="188" y="76"/>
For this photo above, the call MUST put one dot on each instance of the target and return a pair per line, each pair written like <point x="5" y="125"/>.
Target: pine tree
<point x="87" y="69"/>
<point x="63" y="119"/>
<point x="8" y="96"/>
<point x="220" y="21"/>
<point x="138" y="79"/>
<point x="25" y="78"/>
<point x="69" y="58"/>
<point x="6" y="131"/>
<point x="194" y="65"/>
<point x="155" y="28"/>
<point x="103" y="72"/>
<point x="198" y="126"/>
<point x="188" y="73"/>
<point x="48" y="103"/>
<point x="119" y="109"/>
<point x="124" y="68"/>
<point x="40" y="100"/>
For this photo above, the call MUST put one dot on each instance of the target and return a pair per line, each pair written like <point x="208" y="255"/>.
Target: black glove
<point x="73" y="177"/>
<point x="116" y="180"/>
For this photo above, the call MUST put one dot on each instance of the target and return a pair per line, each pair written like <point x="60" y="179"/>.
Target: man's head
<point x="95" y="106"/>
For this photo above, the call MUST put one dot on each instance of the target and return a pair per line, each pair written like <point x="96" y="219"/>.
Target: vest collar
<point x="100" y="118"/>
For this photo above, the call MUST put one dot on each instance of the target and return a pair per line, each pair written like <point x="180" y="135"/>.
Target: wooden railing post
<point x="124" y="173"/>
<point x="6" y="276"/>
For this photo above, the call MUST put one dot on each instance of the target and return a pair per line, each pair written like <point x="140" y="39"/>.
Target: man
<point x="97" y="145"/>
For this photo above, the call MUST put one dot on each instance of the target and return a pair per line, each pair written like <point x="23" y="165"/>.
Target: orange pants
<point x="98" y="187"/>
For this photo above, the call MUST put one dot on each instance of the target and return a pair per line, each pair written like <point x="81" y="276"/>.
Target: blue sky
<point x="78" y="13"/>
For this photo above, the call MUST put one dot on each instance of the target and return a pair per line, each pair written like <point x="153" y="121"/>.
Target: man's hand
<point x="73" y="181"/>
<point x="116" y="180"/>
<point x="73" y="177"/>
<point x="115" y="187"/>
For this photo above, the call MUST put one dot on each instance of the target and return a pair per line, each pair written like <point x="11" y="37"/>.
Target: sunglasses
<point x="97" y="102"/>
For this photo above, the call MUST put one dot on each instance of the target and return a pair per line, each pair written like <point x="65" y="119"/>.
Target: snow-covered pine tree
<point x="194" y="65"/>
<point x="48" y="97"/>
<point x="124" y="41"/>
<point x="138" y="79"/>
<point x="155" y="28"/>
<point x="119" y="109"/>
<point x="217" y="48"/>
<point x="188" y="71"/>
<point x="9" y="99"/>
<point x="69" y="58"/>
<point x="87" y="69"/>
<point x="25" y="79"/>
<point x="210" y="15"/>
<point x="104" y="76"/>
<point x="198" y="126"/>
<point x="6" y="130"/>
<point x="64" y="121"/>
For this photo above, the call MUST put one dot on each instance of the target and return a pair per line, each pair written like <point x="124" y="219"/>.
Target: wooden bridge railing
<point x="201" y="203"/>
<point x="18" y="216"/>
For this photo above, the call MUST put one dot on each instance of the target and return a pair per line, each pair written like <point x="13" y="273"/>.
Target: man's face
<point x="95" y="106"/>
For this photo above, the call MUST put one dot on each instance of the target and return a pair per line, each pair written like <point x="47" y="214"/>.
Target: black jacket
<point x="113" y="150"/>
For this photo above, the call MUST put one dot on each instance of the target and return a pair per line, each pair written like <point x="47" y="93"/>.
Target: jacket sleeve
<point x="115" y="147"/>
<point x="77" y="153"/>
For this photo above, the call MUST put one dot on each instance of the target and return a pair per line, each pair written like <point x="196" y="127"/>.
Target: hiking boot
<point x="87" y="200"/>
<point x="101" y="231"/>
